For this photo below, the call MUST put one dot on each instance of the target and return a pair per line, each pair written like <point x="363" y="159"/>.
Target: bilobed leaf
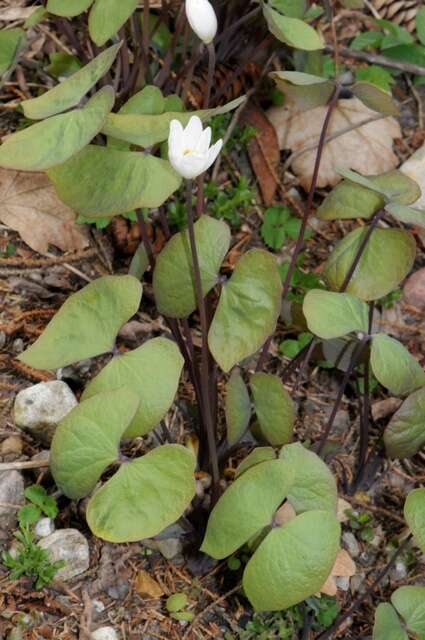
<point x="56" y="139"/>
<point x="173" y="276"/>
<point x="152" y="372"/>
<point x="87" y="323"/>
<point x="257" y="455"/>
<point x="246" y="507"/>
<point x="387" y="624"/>
<point x="248" y="309"/>
<point x="293" y="561"/>
<point x="305" y="90"/>
<point x="386" y="261"/>
<point x="87" y="440"/>
<point x="68" y="93"/>
<point x="408" y="215"/>
<point x="107" y="17"/>
<point x="394" y="186"/>
<point x="349" y="200"/>
<point x="238" y="407"/>
<point x="10" y="43"/>
<point x="68" y="8"/>
<point x="414" y="513"/>
<point x="292" y="31"/>
<point x="139" y="262"/>
<point x="145" y="496"/>
<point x="147" y="130"/>
<point x="405" y="434"/>
<point x="410" y="604"/>
<point x="274" y="408"/>
<point x="394" y="367"/>
<point x="101" y="181"/>
<point x="148" y="101"/>
<point x="314" y="486"/>
<point x="332" y="315"/>
<point x="375" y="98"/>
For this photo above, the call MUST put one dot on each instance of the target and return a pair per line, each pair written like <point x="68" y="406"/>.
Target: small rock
<point x="18" y="345"/>
<point x="343" y="583"/>
<point x="351" y="544"/>
<point x="399" y="571"/>
<point x="98" y="606"/>
<point x="414" y="289"/>
<point x="169" y="548"/>
<point x="11" y="493"/>
<point x="104" y="633"/>
<point x="69" y="545"/>
<point x="11" y="446"/>
<point x="44" y="527"/>
<point x="39" y="409"/>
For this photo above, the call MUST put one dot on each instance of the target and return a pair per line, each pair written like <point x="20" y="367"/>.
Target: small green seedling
<point x="362" y="523"/>
<point x="279" y="225"/>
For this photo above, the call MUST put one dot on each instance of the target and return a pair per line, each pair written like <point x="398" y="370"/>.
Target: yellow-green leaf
<point x="394" y="367"/>
<point x="292" y="31"/>
<point x="238" y="407"/>
<point x="274" y="408"/>
<point x="68" y="8"/>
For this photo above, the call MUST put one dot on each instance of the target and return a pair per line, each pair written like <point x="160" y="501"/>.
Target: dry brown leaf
<point x="146" y="586"/>
<point x="284" y="514"/>
<point x="344" y="567"/>
<point x="31" y="207"/>
<point x="263" y="152"/>
<point x="366" y="149"/>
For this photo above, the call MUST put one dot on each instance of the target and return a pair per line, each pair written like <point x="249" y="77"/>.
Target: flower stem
<point x="211" y="69"/>
<point x="205" y="377"/>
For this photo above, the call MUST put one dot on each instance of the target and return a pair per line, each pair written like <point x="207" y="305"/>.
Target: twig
<point x="30" y="464"/>
<point x="374" y="58"/>
<point x="200" y="615"/>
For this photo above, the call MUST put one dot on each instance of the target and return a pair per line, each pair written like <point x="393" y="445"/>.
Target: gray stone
<point x="351" y="544"/>
<point x="343" y="583"/>
<point x="72" y="547"/>
<point x="11" y="493"/>
<point x="39" y="409"/>
<point x="104" y="633"/>
<point x="169" y="548"/>
<point x="44" y="527"/>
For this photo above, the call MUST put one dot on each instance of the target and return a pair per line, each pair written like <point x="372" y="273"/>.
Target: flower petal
<point x="213" y="153"/>
<point x="192" y="133"/>
<point x="175" y="138"/>
<point x="204" y="142"/>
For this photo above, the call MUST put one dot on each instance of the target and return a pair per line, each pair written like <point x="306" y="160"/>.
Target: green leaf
<point x="353" y="4"/>
<point x="394" y="367"/>
<point x="405" y="434"/>
<point x="68" y="8"/>
<point x="139" y="262"/>
<point x="293" y="561"/>
<point x="292" y="31"/>
<point x="101" y="181"/>
<point x="387" y="624"/>
<point x="246" y="507"/>
<point x="273" y="228"/>
<point x="63" y="65"/>
<point x="87" y="323"/>
<point x="305" y="90"/>
<point x="147" y="130"/>
<point x="148" y="101"/>
<point x="412" y="53"/>
<point x="11" y="41"/>
<point x="37" y="494"/>
<point x="145" y="496"/>
<point x="274" y="408"/>
<point x="257" y="456"/>
<point x="378" y="76"/>
<point x="314" y="485"/>
<point x="238" y="407"/>
<point x="408" y="215"/>
<point x="35" y="17"/>
<point x="248" y="309"/>
<point x="332" y="315"/>
<point x="410" y="604"/>
<point x="173" y="275"/>
<point x="386" y="261"/>
<point x="68" y="93"/>
<point x="107" y="17"/>
<point x="414" y="513"/>
<point x="87" y="440"/>
<point x="420" y="25"/>
<point x="56" y="139"/>
<point x="348" y="200"/>
<point x="28" y="515"/>
<point x="375" y="98"/>
<point x="152" y="372"/>
<point x="291" y="8"/>
<point x="366" y="40"/>
<point x="394" y="186"/>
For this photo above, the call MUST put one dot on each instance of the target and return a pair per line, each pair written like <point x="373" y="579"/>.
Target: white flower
<point x="189" y="149"/>
<point x="202" y="19"/>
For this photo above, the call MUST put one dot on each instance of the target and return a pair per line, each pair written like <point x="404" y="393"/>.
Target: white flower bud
<point x="202" y="19"/>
